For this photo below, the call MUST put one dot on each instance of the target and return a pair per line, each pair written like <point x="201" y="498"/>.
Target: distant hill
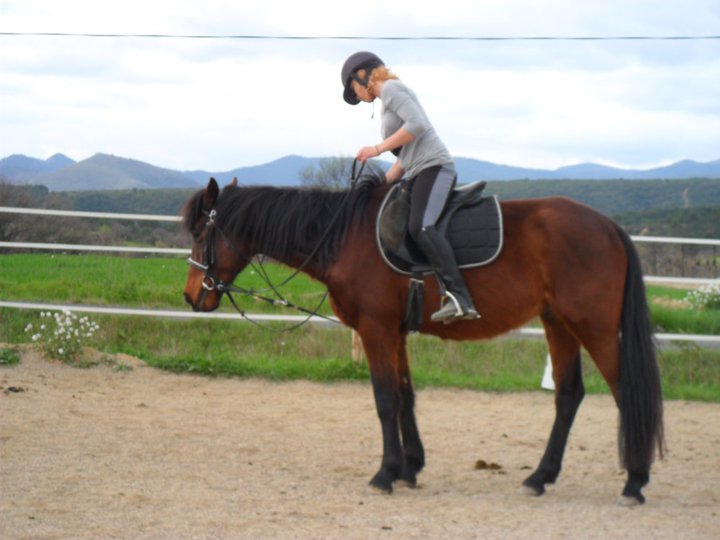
<point x="103" y="171"/>
<point x="472" y="169"/>
<point x="280" y="172"/>
<point x="21" y="169"/>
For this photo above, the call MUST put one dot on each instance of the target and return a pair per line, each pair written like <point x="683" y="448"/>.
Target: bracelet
<point x="377" y="149"/>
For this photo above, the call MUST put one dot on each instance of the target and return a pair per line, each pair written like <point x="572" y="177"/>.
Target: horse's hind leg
<point x="569" y="393"/>
<point x="606" y="357"/>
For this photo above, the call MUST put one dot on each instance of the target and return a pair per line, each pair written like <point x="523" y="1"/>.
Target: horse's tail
<point x="640" y="393"/>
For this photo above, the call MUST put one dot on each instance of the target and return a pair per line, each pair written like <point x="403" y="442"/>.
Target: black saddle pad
<point x="471" y="222"/>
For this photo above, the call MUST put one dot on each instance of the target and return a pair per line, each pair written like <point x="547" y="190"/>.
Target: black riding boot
<point x="458" y="302"/>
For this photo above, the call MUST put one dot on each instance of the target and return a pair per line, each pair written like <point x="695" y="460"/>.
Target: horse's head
<point x="216" y="259"/>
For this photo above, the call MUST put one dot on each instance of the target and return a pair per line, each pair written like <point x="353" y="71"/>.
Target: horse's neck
<point x="302" y="264"/>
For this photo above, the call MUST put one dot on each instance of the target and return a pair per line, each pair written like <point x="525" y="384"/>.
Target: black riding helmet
<point x="360" y="60"/>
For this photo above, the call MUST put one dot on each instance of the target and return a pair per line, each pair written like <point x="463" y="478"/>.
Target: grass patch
<point x="318" y="353"/>
<point x="159" y="282"/>
<point x="670" y="312"/>
<point x="133" y="282"/>
<point x="685" y="320"/>
<point x="322" y="354"/>
<point x="9" y="356"/>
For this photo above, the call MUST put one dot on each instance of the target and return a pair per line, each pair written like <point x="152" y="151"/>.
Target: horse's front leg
<point x="388" y="406"/>
<point x="381" y="347"/>
<point x="412" y="445"/>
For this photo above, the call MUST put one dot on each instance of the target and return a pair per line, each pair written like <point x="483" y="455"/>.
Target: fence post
<point x="357" y="347"/>
<point x="547" y="381"/>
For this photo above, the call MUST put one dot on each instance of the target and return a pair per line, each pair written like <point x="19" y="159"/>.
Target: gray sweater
<point x="401" y="109"/>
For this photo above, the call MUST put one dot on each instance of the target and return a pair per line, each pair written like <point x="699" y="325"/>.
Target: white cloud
<point x="219" y="104"/>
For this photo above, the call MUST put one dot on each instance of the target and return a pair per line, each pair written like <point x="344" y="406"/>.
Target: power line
<point x="357" y="38"/>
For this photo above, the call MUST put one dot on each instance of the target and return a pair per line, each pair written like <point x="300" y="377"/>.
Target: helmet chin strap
<point x="365" y="83"/>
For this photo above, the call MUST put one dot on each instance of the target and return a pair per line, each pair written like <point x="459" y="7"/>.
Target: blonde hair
<point x="381" y="73"/>
<point x="378" y="74"/>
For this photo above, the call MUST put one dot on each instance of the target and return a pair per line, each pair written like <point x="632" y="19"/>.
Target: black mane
<point x="286" y="222"/>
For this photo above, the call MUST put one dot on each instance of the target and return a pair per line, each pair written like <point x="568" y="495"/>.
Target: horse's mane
<point x="286" y="222"/>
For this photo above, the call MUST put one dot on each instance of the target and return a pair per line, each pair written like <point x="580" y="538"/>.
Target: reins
<point x="327" y="232"/>
<point x="228" y="289"/>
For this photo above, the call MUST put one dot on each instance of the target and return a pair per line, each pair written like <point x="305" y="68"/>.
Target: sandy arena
<point x="99" y="454"/>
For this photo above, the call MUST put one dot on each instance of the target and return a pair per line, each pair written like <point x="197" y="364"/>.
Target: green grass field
<point x="321" y="353"/>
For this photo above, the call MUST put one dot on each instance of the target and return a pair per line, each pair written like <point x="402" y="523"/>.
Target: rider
<point x="408" y="134"/>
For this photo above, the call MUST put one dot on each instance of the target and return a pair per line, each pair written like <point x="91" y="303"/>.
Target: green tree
<point x="334" y="173"/>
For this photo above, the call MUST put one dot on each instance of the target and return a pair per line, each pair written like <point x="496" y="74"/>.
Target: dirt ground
<point x="97" y="453"/>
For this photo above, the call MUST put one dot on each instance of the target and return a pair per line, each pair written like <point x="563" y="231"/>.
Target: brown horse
<point x="562" y="261"/>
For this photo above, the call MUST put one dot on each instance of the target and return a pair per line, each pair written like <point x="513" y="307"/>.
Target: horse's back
<point x="575" y="249"/>
<point x="560" y="223"/>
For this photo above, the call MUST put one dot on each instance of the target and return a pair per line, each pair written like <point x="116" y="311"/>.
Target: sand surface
<point x="96" y="453"/>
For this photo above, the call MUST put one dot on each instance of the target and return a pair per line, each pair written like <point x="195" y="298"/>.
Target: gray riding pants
<point x="430" y="191"/>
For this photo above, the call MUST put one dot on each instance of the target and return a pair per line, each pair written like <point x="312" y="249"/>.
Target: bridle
<point x="209" y="282"/>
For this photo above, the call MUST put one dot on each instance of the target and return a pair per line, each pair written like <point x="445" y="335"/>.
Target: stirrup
<point x="446" y="314"/>
<point x="451" y="311"/>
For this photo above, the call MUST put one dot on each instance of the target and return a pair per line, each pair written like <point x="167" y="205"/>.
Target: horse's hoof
<point x="631" y="496"/>
<point x="531" y="491"/>
<point x="629" y="502"/>
<point x="408" y="478"/>
<point x="382" y="482"/>
<point x="407" y="483"/>
<point x="387" y="490"/>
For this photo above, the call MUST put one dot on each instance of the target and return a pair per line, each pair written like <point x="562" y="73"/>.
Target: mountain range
<point x="108" y="172"/>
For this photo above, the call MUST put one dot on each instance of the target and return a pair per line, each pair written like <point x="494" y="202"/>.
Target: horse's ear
<point x="234" y="182"/>
<point x="211" y="194"/>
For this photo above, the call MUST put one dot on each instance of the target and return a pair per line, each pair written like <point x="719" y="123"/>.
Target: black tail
<point x="641" y="402"/>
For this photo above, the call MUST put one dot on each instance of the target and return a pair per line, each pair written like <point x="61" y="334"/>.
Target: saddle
<point x="471" y="222"/>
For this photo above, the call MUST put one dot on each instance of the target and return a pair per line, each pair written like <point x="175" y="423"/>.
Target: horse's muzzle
<point x="189" y="301"/>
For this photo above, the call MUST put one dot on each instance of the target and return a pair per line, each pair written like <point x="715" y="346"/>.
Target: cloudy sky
<point x="217" y="104"/>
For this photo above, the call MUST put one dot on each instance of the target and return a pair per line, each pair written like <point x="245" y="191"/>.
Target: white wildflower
<point x="62" y="337"/>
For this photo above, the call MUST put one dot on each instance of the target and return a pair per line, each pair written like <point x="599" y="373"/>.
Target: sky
<point x="219" y="104"/>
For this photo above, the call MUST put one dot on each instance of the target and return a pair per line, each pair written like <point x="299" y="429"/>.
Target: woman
<point x="422" y="156"/>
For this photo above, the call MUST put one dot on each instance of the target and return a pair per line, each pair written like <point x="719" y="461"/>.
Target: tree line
<point x="686" y="208"/>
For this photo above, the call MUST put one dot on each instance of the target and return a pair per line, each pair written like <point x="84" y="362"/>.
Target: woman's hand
<point x="394" y="173"/>
<point x="396" y="140"/>
<point x="367" y="152"/>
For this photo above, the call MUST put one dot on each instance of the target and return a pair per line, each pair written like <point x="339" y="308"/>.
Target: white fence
<point x="265" y="317"/>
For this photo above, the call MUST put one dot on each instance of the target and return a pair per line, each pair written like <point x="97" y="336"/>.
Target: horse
<point x="561" y="261"/>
